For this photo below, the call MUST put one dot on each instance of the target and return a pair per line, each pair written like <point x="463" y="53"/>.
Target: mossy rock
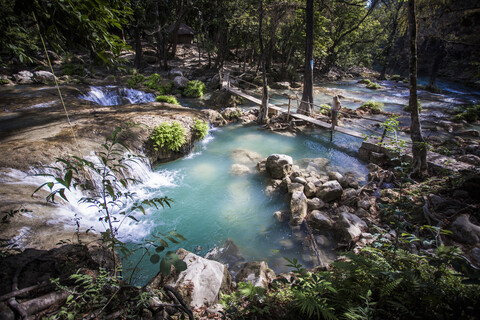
<point x="374" y="86"/>
<point x="372" y="107"/>
<point x="365" y="81"/>
<point x="167" y="99"/>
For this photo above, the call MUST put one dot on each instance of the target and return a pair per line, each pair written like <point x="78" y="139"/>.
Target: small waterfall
<point x="150" y="182"/>
<point x="114" y="96"/>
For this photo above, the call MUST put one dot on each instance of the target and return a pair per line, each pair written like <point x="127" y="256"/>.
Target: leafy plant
<point x="153" y="81"/>
<point x="73" y="69"/>
<point x="170" y="136"/>
<point x="134" y="80"/>
<point x="373" y="86"/>
<point x="396" y="77"/>
<point x="372" y="107"/>
<point x="3" y="82"/>
<point x="194" y="89"/>
<point x="167" y="99"/>
<point x="200" y="128"/>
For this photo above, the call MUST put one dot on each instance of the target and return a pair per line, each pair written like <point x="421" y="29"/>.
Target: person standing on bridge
<point x="336" y="106"/>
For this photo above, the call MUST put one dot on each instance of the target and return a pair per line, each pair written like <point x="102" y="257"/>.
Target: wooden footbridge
<point x="371" y="147"/>
<point x="226" y="85"/>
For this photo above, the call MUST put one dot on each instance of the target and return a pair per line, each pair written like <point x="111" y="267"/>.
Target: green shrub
<point x="396" y="77"/>
<point x="194" y="89"/>
<point x="470" y="114"/>
<point x="165" y="88"/>
<point x="365" y="81"/>
<point x="3" y="81"/>
<point x="372" y="107"/>
<point x="134" y="80"/>
<point x="325" y="110"/>
<point x="169" y="136"/>
<point x="373" y="86"/>
<point x="200" y="128"/>
<point x="167" y="99"/>
<point x="153" y="81"/>
<point x="73" y="69"/>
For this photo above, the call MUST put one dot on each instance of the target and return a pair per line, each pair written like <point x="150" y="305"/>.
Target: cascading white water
<point x="114" y="96"/>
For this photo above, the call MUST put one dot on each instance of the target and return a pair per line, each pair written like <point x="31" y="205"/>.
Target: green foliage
<point x="396" y="77"/>
<point x="170" y="136"/>
<point x="87" y="295"/>
<point x="3" y="82"/>
<point x="153" y="81"/>
<point x="470" y="114"/>
<point x="372" y="107"/>
<point x="325" y="110"/>
<point x="365" y="81"/>
<point x="200" y="128"/>
<point x="378" y="283"/>
<point x="194" y="89"/>
<point x="167" y="99"/>
<point x="373" y="86"/>
<point x="134" y="80"/>
<point x="73" y="69"/>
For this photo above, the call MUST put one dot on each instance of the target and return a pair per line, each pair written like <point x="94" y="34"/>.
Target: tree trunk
<point x="263" y="114"/>
<point x="138" y="48"/>
<point x="306" y="106"/>
<point x="432" y="83"/>
<point x="419" y="147"/>
<point x="159" y="38"/>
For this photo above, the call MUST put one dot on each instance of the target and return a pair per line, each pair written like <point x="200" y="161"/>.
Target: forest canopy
<point x="370" y="33"/>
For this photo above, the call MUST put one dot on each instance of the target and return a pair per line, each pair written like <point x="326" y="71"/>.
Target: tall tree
<point x="306" y="106"/>
<point x="263" y="114"/>
<point x="419" y="148"/>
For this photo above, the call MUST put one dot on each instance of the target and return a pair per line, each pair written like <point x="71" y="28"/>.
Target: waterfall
<point x="114" y="96"/>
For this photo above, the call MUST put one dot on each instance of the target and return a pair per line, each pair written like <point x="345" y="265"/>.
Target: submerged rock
<point x="244" y="156"/>
<point x="239" y="169"/>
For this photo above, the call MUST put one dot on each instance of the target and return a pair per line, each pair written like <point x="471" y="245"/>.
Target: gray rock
<point x="23" y="77"/>
<point x="205" y="279"/>
<point x="476" y="255"/>
<point x="471" y="159"/>
<point x="229" y="255"/>
<point x="315" y="204"/>
<point x="285" y="185"/>
<point x="362" y="213"/>
<point x="256" y="273"/>
<point x="279" y="166"/>
<point x="281" y="85"/>
<point x="310" y="189"/>
<point x="214" y="118"/>
<point x="465" y="231"/>
<point x="172" y="74"/>
<point x="298" y="208"/>
<point x="180" y="82"/>
<point x="364" y="204"/>
<point x="349" y="227"/>
<point x="319" y="221"/>
<point x="44" y="77"/>
<point x="238" y="169"/>
<point x="350" y="180"/>
<point x="281" y="215"/>
<point x="333" y="175"/>
<point x="349" y="197"/>
<point x="293" y="187"/>
<point x="330" y="191"/>
<point x="300" y="180"/>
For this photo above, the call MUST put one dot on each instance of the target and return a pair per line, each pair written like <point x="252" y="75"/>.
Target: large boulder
<point x="44" y="77"/>
<point x="298" y="208"/>
<point x="23" y="77"/>
<point x="465" y="231"/>
<point x="201" y="283"/>
<point x="315" y="204"/>
<point x="172" y="74"/>
<point x="228" y="254"/>
<point x="256" y="273"/>
<point x="330" y="191"/>
<point x="279" y="166"/>
<point x="349" y="227"/>
<point x="180" y="82"/>
<point x="319" y="221"/>
<point x="214" y="117"/>
<point x="349" y="197"/>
